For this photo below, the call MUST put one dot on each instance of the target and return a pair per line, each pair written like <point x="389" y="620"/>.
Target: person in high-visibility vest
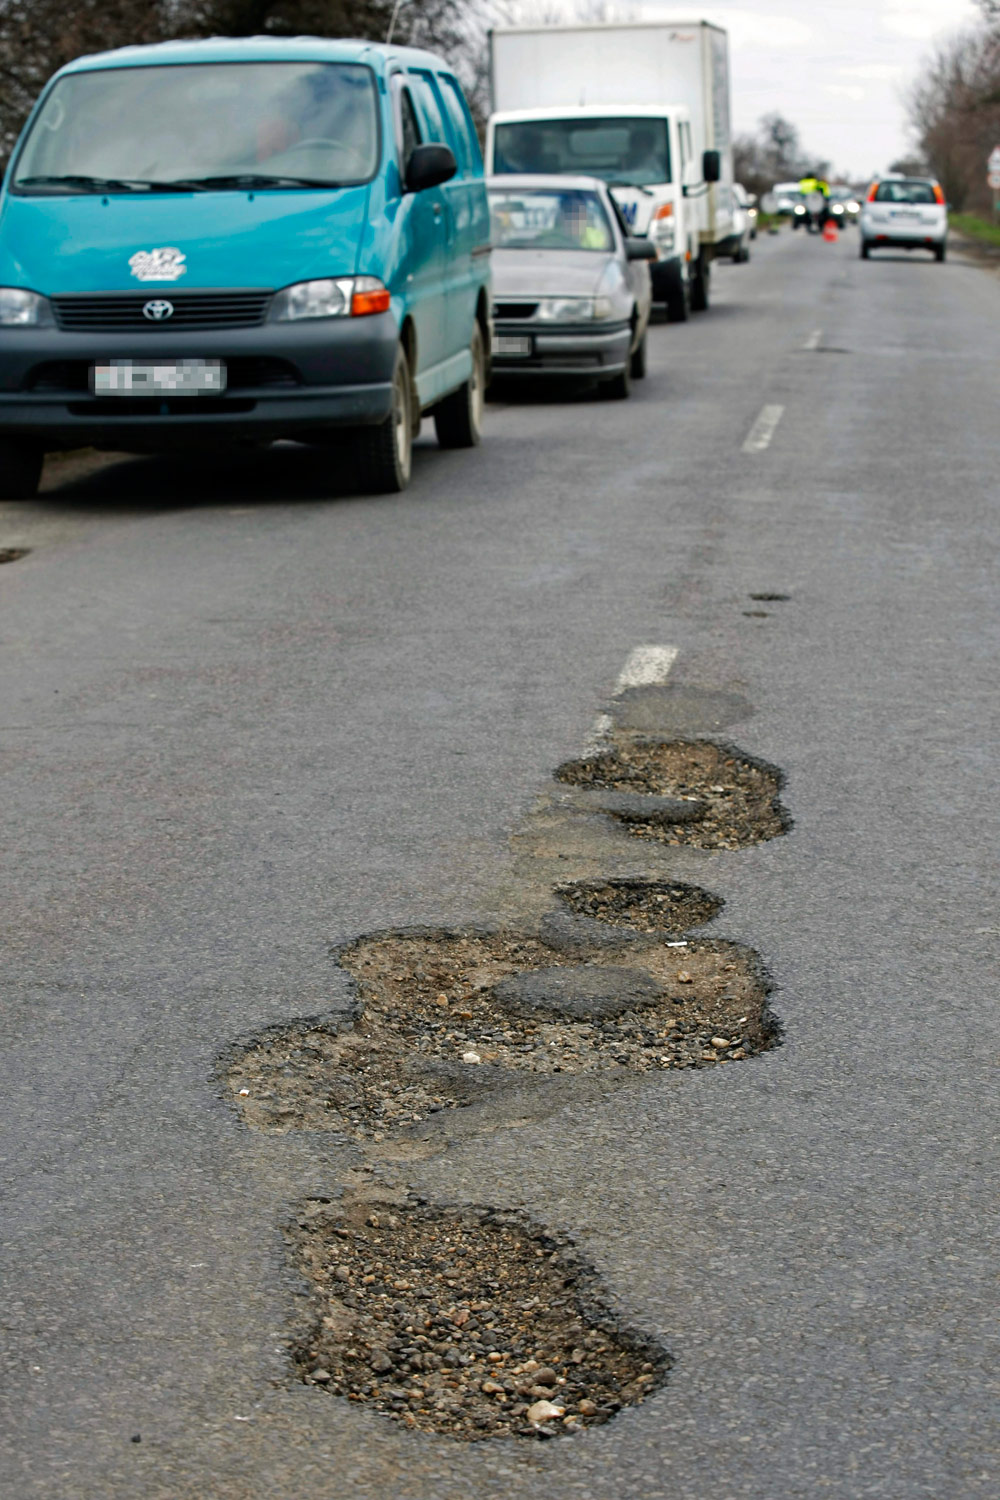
<point x="816" y="186"/>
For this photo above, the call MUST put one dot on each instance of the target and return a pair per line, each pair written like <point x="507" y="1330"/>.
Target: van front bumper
<point x="284" y="380"/>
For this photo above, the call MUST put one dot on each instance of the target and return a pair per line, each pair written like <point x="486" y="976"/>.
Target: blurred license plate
<point x="179" y="377"/>
<point x="508" y="343"/>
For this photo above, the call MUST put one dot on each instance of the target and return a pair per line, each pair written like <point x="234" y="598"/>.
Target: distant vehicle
<point x="244" y="240"/>
<point x="787" y="198"/>
<point x="645" y="107"/>
<point x="571" y="287"/>
<point x="744" y="223"/>
<point x="845" y="208"/>
<point x="905" y="213"/>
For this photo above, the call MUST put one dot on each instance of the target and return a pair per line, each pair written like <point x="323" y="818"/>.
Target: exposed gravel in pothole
<point x="736" y="797"/>
<point x="438" y="1026"/>
<point x="474" y="1324"/>
<point x="642" y="905"/>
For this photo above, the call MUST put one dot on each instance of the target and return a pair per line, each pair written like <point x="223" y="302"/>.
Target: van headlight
<point x="331" y="297"/>
<point x="573" y="309"/>
<point x="23" y="309"/>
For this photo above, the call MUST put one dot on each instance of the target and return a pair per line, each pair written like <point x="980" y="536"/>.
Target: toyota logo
<point x="157" y="310"/>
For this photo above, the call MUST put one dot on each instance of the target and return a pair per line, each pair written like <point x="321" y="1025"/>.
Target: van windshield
<point x="211" y="125"/>
<point x="619" y="150"/>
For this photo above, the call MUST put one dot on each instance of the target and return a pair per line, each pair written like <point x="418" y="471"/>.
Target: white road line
<point x="813" y="341"/>
<point x="646" y="666"/>
<point x="763" y="429"/>
<point x="598" y="737"/>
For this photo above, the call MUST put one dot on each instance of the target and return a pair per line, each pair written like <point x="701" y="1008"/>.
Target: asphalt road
<point x="243" y="720"/>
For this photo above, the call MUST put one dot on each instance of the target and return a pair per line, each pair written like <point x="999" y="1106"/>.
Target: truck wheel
<point x="20" y="470"/>
<point x="458" y="419"/>
<point x="672" y="289"/>
<point x="637" y="363"/>
<point x="385" y="451"/>
<point x="699" y="286"/>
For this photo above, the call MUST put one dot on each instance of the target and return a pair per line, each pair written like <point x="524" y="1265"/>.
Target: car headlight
<point x="853" y="207"/>
<point x="23" y="309"/>
<point x="838" y="208"/>
<point x="332" y="297"/>
<point x="799" y="209"/>
<point x="573" y="309"/>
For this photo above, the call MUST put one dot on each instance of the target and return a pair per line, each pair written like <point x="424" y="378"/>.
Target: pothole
<point x="447" y="1017"/>
<point x="691" y="792"/>
<point x="772" y="598"/>
<point x="13" y="554"/>
<point x="471" y="1323"/>
<point x="642" y="905"/>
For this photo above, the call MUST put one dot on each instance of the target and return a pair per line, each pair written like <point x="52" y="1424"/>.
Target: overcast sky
<point x="838" y="72"/>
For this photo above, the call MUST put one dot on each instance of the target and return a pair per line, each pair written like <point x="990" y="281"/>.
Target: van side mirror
<point x="711" y="166"/>
<point x="429" y="166"/>
<point x="639" y="248"/>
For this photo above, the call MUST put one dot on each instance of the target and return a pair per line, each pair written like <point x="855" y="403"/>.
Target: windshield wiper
<point x="250" y="180"/>
<point x="637" y="185"/>
<point x="79" y="182"/>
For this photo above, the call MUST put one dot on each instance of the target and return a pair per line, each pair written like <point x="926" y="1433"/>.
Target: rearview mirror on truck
<point x="711" y="166"/>
<point x="639" y="249"/>
<point x="429" y="166"/>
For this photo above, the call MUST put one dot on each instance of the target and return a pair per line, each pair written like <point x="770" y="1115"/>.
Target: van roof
<point x="258" y="49"/>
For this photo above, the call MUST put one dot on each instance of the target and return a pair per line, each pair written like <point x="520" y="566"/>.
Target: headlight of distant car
<point x="853" y="207"/>
<point x="336" y="297"/>
<point x="799" y="208"/>
<point x="21" y="309"/>
<point x="838" y="208"/>
<point x="573" y="309"/>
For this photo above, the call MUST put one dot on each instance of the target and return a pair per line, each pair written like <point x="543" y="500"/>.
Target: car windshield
<point x="617" y="150"/>
<point x="220" y="125"/>
<point x="905" y="192"/>
<point x="549" y="220"/>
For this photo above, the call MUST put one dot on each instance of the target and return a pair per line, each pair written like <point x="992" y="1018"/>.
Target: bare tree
<point x="954" y="109"/>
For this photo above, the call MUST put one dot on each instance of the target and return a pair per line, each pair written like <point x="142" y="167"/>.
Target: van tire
<point x="20" y="470"/>
<point x="385" y="450"/>
<point x="675" y="292"/>
<point x="637" y="362"/>
<point x="458" y="419"/>
<point x="700" y="285"/>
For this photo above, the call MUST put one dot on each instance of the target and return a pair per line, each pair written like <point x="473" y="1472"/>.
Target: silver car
<point x="571" y="288"/>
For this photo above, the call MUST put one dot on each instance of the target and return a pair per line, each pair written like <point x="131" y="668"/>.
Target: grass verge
<point x="975" y="228"/>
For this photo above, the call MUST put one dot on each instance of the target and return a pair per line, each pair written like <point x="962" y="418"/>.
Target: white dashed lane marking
<point x="646" y="666"/>
<point x="763" y="429"/>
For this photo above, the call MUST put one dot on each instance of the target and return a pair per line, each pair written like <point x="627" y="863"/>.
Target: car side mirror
<point x="429" y="166"/>
<point x="711" y="166"/>
<point x="638" y="248"/>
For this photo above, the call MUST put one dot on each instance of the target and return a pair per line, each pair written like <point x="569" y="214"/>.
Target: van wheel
<point x="458" y="419"/>
<point x="637" y="363"/>
<point x="385" y="451"/>
<point x="20" y="470"/>
<point x="673" y="288"/>
<point x="699" y="286"/>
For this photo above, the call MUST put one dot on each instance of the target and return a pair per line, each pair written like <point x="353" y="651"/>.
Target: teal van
<point x="249" y="240"/>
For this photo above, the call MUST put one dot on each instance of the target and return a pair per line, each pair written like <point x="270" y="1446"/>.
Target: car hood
<point x="64" y="244"/>
<point x="548" y="273"/>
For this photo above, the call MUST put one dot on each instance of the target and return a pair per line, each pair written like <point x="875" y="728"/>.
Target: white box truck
<point x="645" y="106"/>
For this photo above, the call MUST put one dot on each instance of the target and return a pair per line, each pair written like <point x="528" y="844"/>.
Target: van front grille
<point x="115" y="311"/>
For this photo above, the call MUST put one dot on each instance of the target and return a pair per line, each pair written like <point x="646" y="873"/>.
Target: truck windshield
<point x="617" y="149"/>
<point x="549" y="220"/>
<point x="214" y="126"/>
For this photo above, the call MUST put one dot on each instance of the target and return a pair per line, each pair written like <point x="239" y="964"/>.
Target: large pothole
<point x="641" y="905"/>
<point x="470" y="1323"/>
<point x="691" y="792"/>
<point x="445" y="1017"/>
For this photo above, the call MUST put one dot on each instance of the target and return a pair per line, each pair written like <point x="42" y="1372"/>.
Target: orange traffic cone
<point x="830" y="232"/>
